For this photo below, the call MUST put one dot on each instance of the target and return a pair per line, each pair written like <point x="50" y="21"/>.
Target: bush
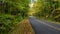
<point x="11" y="13"/>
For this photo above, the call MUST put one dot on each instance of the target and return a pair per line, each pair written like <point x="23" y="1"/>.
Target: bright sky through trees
<point x="32" y="3"/>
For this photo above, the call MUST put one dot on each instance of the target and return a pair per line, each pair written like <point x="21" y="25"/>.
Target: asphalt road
<point x="44" y="27"/>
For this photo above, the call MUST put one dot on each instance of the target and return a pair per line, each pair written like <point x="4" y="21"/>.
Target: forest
<point x="48" y="10"/>
<point x="14" y="11"/>
<point x="11" y="13"/>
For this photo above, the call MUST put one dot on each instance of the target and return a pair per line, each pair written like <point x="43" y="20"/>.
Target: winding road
<point x="44" y="27"/>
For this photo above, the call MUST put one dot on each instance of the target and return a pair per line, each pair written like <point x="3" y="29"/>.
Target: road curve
<point x="42" y="27"/>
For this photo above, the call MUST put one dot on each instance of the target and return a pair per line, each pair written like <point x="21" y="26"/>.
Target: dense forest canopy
<point x="11" y="13"/>
<point x="48" y="9"/>
<point x="14" y="11"/>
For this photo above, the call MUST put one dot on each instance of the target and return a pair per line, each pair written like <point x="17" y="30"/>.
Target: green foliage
<point x="11" y="13"/>
<point x="5" y="23"/>
<point x="48" y="9"/>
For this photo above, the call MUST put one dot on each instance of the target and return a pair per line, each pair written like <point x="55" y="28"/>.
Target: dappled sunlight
<point x="12" y="12"/>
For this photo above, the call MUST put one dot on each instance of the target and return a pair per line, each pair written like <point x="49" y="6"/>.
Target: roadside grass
<point x="52" y="21"/>
<point x="23" y="28"/>
<point x="48" y="20"/>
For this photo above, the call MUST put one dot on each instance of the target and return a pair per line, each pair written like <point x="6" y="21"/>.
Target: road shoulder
<point x="23" y="28"/>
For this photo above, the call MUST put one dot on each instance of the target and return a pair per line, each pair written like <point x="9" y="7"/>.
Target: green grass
<point x="8" y="22"/>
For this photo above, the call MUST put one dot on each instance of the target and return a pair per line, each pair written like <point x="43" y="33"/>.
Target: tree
<point x="48" y="9"/>
<point x="12" y="12"/>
